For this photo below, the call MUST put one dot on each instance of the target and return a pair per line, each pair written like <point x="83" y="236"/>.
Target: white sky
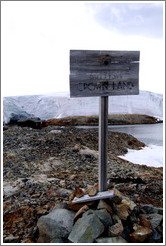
<point x="38" y="35"/>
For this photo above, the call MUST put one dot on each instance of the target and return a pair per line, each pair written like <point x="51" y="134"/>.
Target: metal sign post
<point x="103" y="74"/>
<point x="103" y="142"/>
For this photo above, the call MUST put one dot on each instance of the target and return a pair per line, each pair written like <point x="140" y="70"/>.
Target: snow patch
<point x="151" y="155"/>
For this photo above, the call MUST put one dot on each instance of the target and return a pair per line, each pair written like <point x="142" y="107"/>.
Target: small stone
<point x="126" y="232"/>
<point x="41" y="211"/>
<point x="160" y="211"/>
<point x="149" y="209"/>
<point x="134" y="217"/>
<point x="115" y="230"/>
<point x="122" y="211"/>
<point x="116" y="199"/>
<point x="62" y="183"/>
<point x="144" y="222"/>
<point x="27" y="240"/>
<point x="104" y="205"/>
<point x="129" y="203"/>
<point x="72" y="177"/>
<point x="155" y="237"/>
<point x="55" y="131"/>
<point x="155" y="219"/>
<point x="119" y="198"/>
<point x="11" y="239"/>
<point x="136" y="227"/>
<point x="79" y="192"/>
<point x="92" y="191"/>
<point x="80" y="212"/>
<point x="116" y="219"/>
<point x="140" y="235"/>
<point x="118" y="239"/>
<point x="58" y="240"/>
<point x="77" y="206"/>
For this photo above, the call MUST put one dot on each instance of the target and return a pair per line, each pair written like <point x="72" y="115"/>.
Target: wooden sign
<point x="103" y="73"/>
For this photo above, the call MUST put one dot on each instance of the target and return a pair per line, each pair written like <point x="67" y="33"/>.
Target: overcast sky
<point x="38" y="35"/>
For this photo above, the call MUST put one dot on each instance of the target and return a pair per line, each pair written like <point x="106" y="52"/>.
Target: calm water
<point x="147" y="133"/>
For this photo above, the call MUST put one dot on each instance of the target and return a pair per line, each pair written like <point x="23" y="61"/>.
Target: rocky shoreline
<point x="43" y="167"/>
<point x="113" y="119"/>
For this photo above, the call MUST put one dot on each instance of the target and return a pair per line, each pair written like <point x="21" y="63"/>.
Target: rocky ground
<point x="42" y="168"/>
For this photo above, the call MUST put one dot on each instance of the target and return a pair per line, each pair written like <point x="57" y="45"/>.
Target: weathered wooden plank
<point x="103" y="73"/>
<point x="98" y="57"/>
<point x="100" y="195"/>
<point x="105" y="87"/>
<point x="100" y="75"/>
<point x="103" y="142"/>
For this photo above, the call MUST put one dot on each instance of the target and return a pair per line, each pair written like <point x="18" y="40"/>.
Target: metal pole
<point x="103" y="142"/>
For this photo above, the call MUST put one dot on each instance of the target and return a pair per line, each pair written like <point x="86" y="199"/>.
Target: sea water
<point x="146" y="133"/>
<point x="150" y="134"/>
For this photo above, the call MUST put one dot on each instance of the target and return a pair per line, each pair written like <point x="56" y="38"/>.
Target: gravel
<point x="41" y="168"/>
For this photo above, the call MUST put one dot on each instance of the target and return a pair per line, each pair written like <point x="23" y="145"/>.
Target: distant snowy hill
<point x="61" y="105"/>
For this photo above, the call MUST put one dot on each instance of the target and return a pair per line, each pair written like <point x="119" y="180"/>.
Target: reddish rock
<point x="77" y="206"/>
<point x="80" y="212"/>
<point x="140" y="235"/>
<point x="144" y="221"/>
<point x="27" y="240"/>
<point x="79" y="193"/>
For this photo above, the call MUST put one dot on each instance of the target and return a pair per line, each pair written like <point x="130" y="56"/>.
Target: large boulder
<point x="86" y="229"/>
<point x="57" y="224"/>
<point x="104" y="217"/>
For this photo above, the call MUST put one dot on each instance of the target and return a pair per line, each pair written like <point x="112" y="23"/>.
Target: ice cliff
<point x="61" y="105"/>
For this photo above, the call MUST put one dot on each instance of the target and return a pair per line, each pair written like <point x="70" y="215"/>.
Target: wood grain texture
<point x="99" y="196"/>
<point x="103" y="73"/>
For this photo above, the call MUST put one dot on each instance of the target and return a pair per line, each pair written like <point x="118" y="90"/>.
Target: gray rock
<point x="88" y="212"/>
<point x="102" y="205"/>
<point x="116" y="219"/>
<point x="111" y="240"/>
<point x="105" y="217"/>
<point x="160" y="211"/>
<point x="155" y="219"/>
<point x="59" y="205"/>
<point x="57" y="224"/>
<point x="5" y="127"/>
<point x="86" y="229"/>
<point x="155" y="237"/>
<point x="150" y="209"/>
<point x="58" y="240"/>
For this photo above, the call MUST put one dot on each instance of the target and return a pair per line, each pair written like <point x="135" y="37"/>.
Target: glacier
<point x="60" y="105"/>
